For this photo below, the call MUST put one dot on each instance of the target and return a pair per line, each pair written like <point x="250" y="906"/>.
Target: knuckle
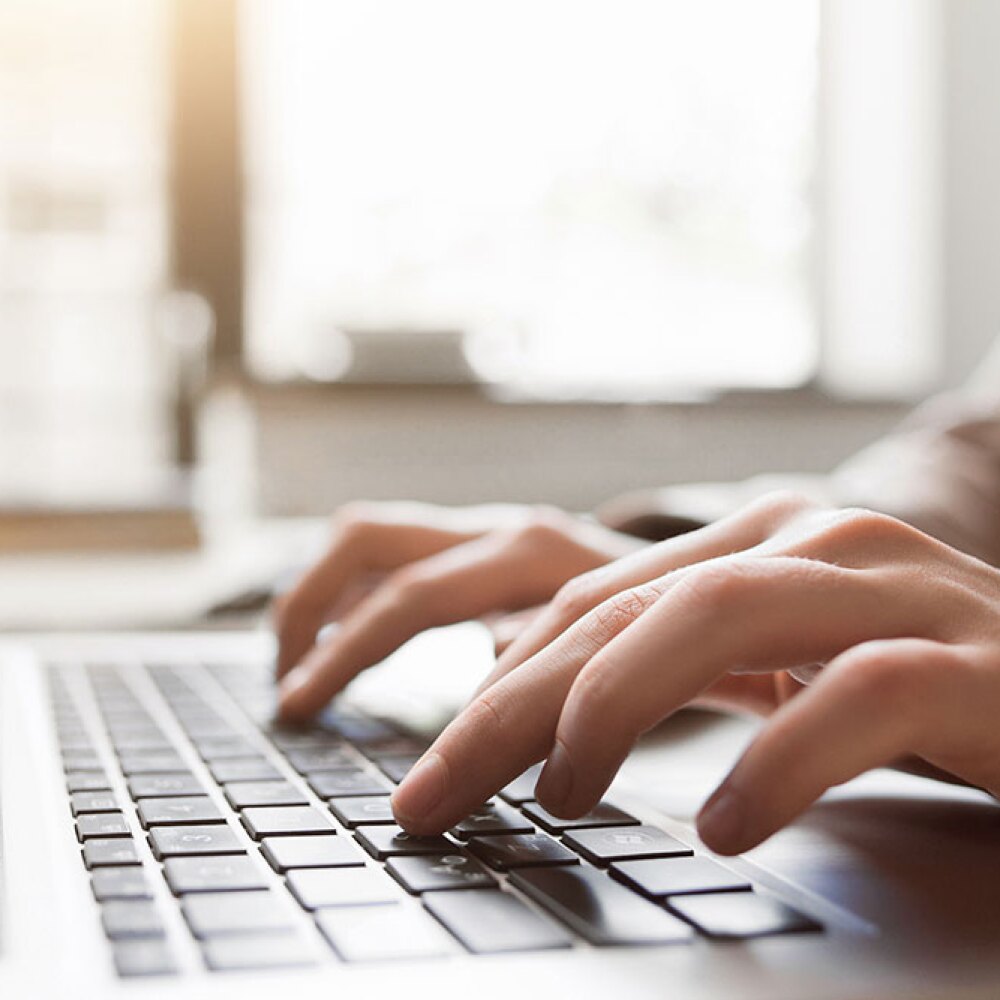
<point x="780" y="505"/>
<point x="885" y="676"/>
<point x="487" y="716"/>
<point x="616" y="614"/>
<point x="857" y="525"/>
<point x="543" y="527"/>
<point x="352" y="518"/>
<point x="411" y="587"/>
<point x="717" y="587"/>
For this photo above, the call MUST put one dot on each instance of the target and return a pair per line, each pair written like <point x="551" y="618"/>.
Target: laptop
<point x="162" y="837"/>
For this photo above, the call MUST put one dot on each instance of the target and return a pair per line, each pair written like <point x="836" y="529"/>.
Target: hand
<point x="393" y="570"/>
<point x="906" y="630"/>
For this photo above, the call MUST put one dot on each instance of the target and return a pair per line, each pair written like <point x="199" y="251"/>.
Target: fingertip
<point x="723" y="823"/>
<point x="295" y="697"/>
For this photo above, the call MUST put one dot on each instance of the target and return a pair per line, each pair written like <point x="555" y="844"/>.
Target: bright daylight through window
<point x="605" y="197"/>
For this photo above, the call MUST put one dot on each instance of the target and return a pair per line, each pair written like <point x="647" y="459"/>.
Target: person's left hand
<point x="905" y="629"/>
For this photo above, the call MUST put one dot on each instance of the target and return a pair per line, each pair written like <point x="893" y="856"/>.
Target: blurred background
<point x="316" y="250"/>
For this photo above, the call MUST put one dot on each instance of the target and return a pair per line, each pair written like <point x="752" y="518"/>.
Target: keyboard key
<point x="603" y="814"/>
<point x="146" y="740"/>
<point x="430" y="873"/>
<point x="131" y="918"/>
<point x="134" y="762"/>
<point x="244" y="769"/>
<point x="82" y="803"/>
<point x="106" y="851"/>
<point x="334" y="784"/>
<point x="213" y="914"/>
<point x="181" y="841"/>
<point x="102" y="825"/>
<point x="396" y="767"/>
<point x="179" y="811"/>
<point x="353" y="812"/>
<point x="360" y="730"/>
<point x="81" y="760"/>
<point x="143" y="958"/>
<point x="315" y="888"/>
<point x="241" y="952"/>
<point x="662" y="877"/>
<point x="212" y="748"/>
<point x="740" y="915"/>
<point x="152" y="786"/>
<point x="599" y="910"/>
<point x="284" y="853"/>
<point x="226" y="874"/>
<point x="244" y="794"/>
<point x="494" y="817"/>
<point x="272" y="822"/>
<point x="304" y="739"/>
<point x="487" y="921"/>
<point x="521" y="850"/>
<point x="325" y="758"/>
<point x="381" y="933"/>
<point x="119" y="883"/>
<point x="617" y="843"/>
<point x="383" y="842"/>
<point x="87" y="781"/>
<point x="522" y="788"/>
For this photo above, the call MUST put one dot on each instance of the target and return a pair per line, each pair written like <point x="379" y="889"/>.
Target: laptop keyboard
<point x="208" y="832"/>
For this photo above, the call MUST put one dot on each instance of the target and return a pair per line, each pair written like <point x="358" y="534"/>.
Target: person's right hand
<point x="395" y="569"/>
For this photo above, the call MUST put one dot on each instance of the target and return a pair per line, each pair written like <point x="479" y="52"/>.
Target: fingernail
<point x="290" y="685"/>
<point x="556" y="780"/>
<point x="422" y="789"/>
<point x="722" y="820"/>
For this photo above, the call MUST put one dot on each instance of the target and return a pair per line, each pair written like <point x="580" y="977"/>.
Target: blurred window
<point x="610" y="196"/>
<point x="82" y="241"/>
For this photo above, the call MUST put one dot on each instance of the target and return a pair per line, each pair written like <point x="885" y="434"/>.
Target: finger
<point x="462" y="582"/>
<point x="743" y="530"/>
<point x="506" y="628"/>
<point x="866" y="710"/>
<point x="359" y="547"/>
<point x="507" y="728"/>
<point x="737" y="614"/>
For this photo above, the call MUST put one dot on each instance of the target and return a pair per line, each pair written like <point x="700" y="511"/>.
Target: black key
<point x="396" y="767"/>
<point x="325" y="758"/>
<point x="284" y="853"/>
<point x="315" y="888"/>
<point x="87" y="781"/>
<point x="383" y="842"/>
<point x="212" y="748"/>
<point x="119" y="883"/>
<point x="272" y="822"/>
<point x="131" y="918"/>
<point x="101" y="825"/>
<point x="494" y="817"/>
<point x="208" y="725"/>
<point x="211" y="914"/>
<point x="304" y="739"/>
<point x="599" y="910"/>
<point x="181" y="841"/>
<point x="660" y="877"/>
<point x="81" y="760"/>
<point x="433" y="872"/>
<point x="740" y="915"/>
<point x="353" y="812"/>
<point x="244" y="794"/>
<point x="109" y="851"/>
<point x="93" y="802"/>
<point x="143" y="958"/>
<point x="226" y="874"/>
<point x="334" y="784"/>
<point x="521" y="850"/>
<point x="146" y="741"/>
<point x="179" y="811"/>
<point x="617" y="843"/>
<point x="392" y="746"/>
<point x="487" y="921"/>
<point x="153" y="786"/>
<point x="244" y="769"/>
<point x="361" y="730"/>
<point x="134" y="762"/>
<point x="522" y="788"/>
<point x="603" y="814"/>
<point x="243" y="952"/>
<point x="382" y="933"/>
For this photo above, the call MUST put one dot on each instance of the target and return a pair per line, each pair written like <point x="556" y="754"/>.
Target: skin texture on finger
<point x="354" y="553"/>
<point x="739" y="532"/>
<point x="867" y="710"/>
<point x="773" y="613"/>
